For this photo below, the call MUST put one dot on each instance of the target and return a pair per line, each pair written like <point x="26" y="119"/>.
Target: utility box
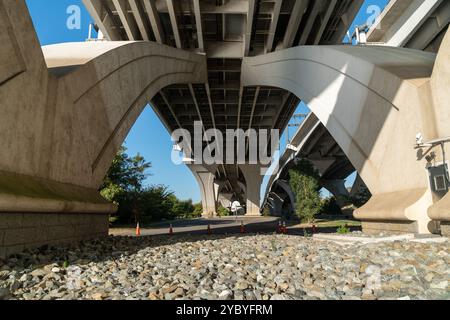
<point x="438" y="179"/>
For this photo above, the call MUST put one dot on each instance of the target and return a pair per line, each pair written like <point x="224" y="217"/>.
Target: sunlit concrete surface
<point x="67" y="108"/>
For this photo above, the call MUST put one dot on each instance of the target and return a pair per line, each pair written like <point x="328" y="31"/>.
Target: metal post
<point x="446" y="179"/>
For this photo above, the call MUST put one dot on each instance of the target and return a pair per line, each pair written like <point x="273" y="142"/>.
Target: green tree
<point x="183" y="209"/>
<point x="304" y="182"/>
<point x="198" y="210"/>
<point x="222" y="211"/>
<point x="124" y="185"/>
<point x="156" y="203"/>
<point x="123" y="182"/>
<point x="126" y="173"/>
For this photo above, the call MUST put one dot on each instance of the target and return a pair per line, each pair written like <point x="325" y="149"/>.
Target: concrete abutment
<point x="19" y="231"/>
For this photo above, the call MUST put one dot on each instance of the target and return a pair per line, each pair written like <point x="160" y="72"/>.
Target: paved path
<point x="225" y="225"/>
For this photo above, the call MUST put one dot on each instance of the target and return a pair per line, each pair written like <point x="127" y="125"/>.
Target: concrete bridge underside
<point x="388" y="90"/>
<point x="226" y="31"/>
<point x="311" y="141"/>
<point x="66" y="115"/>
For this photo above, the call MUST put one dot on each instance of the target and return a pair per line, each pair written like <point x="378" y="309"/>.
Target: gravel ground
<point x="228" y="267"/>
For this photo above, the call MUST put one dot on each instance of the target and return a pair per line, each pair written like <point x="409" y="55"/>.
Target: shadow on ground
<point x="114" y="247"/>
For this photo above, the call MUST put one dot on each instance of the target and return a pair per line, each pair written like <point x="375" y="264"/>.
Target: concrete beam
<point x="198" y="23"/>
<point x="400" y="20"/>
<point x="346" y="21"/>
<point x="128" y="24"/>
<point x="139" y="20"/>
<point x="324" y="21"/>
<point x="249" y="27"/>
<point x="273" y="26"/>
<point x="174" y="23"/>
<point x="294" y="23"/>
<point x="155" y="21"/>
<point x="317" y="7"/>
<point x="104" y="22"/>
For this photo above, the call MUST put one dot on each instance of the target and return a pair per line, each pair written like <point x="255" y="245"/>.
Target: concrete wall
<point x="64" y="114"/>
<point x="27" y="230"/>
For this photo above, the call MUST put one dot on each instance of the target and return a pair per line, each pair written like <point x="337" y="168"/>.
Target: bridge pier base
<point x="440" y="212"/>
<point x="389" y="227"/>
<point x="19" y="231"/>
<point x="397" y="212"/>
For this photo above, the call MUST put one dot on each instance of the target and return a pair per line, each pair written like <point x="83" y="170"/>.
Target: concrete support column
<point x="358" y="185"/>
<point x="225" y="199"/>
<point x="205" y="179"/>
<point x="253" y="180"/>
<point x="337" y="189"/>
<point x="218" y="185"/>
<point x="276" y="205"/>
<point x="287" y="188"/>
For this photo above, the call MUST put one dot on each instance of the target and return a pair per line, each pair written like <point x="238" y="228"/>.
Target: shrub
<point x="305" y="185"/>
<point x="124" y="185"/>
<point x="222" y="212"/>
<point x="343" y="229"/>
<point x="198" y="210"/>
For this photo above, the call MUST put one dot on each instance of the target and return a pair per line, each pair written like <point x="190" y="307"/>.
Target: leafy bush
<point x="123" y="185"/>
<point x="343" y="229"/>
<point x="304" y="182"/>
<point x="198" y="210"/>
<point x="222" y="212"/>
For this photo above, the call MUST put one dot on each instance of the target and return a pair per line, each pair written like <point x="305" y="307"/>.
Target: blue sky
<point x="148" y="136"/>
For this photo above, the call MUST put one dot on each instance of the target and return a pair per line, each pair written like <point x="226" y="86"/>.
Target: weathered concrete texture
<point x="373" y="101"/>
<point x="389" y="227"/>
<point x="441" y="83"/>
<point x="19" y="231"/>
<point x="60" y="128"/>
<point x="67" y="127"/>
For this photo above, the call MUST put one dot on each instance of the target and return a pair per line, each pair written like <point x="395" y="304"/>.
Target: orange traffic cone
<point x="138" y="229"/>
<point x="209" y="229"/>
<point x="242" y="227"/>
<point x="170" y="230"/>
